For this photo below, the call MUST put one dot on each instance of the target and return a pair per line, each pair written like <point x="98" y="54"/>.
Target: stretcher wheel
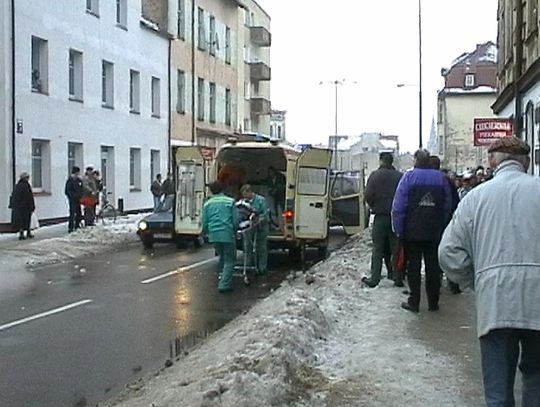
<point x="246" y="280"/>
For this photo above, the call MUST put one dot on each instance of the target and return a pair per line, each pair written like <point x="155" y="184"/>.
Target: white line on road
<point x="179" y="270"/>
<point x="44" y="314"/>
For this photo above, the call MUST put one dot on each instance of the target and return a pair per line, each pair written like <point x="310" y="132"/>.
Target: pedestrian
<point x="22" y="205"/>
<point x="260" y="233"/>
<point x="492" y="245"/>
<point x="90" y="195"/>
<point x="74" y="193"/>
<point x="168" y="191"/>
<point x="155" y="188"/>
<point x="468" y="182"/>
<point x="220" y="223"/>
<point x="420" y="212"/>
<point x="379" y="195"/>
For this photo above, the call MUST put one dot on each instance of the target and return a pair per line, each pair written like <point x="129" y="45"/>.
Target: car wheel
<point x="148" y="242"/>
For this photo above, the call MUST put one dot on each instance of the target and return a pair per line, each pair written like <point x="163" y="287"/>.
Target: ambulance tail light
<point x="288" y="215"/>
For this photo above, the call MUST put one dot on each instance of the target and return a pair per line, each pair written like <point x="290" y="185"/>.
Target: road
<point x="87" y="328"/>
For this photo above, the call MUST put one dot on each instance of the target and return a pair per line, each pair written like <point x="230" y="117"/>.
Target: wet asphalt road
<point x="87" y="328"/>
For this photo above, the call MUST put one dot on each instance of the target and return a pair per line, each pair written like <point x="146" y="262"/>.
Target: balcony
<point x="259" y="71"/>
<point x="260" y="36"/>
<point x="260" y="106"/>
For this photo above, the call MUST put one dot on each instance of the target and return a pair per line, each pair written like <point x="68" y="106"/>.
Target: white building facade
<point x="91" y="88"/>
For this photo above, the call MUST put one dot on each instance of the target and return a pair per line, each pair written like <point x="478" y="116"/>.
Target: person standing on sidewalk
<point x="220" y="223"/>
<point x="23" y="205"/>
<point x="90" y="197"/>
<point x="492" y="245"/>
<point x="380" y="190"/>
<point x="74" y="193"/>
<point x="420" y="212"/>
<point x="168" y="191"/>
<point x="155" y="188"/>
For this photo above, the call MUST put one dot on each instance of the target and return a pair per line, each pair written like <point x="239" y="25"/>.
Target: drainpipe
<point x="13" y="117"/>
<point x="193" y="128"/>
<point x="169" y="114"/>
<point x="518" y="69"/>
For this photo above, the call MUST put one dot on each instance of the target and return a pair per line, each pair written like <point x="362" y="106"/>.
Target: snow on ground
<point x="62" y="247"/>
<point x="331" y="343"/>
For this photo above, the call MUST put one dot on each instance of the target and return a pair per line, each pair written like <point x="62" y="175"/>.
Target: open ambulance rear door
<point x="347" y="198"/>
<point x="311" y="213"/>
<point x="190" y="168"/>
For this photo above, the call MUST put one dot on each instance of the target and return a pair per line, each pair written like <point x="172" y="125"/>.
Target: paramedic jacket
<point x="220" y="219"/>
<point x="422" y="205"/>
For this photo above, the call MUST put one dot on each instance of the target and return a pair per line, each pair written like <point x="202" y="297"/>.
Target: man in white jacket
<point x="493" y="246"/>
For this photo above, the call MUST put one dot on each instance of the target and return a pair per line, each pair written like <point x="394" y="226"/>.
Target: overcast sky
<point x="374" y="43"/>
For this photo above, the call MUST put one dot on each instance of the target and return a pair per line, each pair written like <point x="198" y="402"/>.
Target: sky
<point x="373" y="45"/>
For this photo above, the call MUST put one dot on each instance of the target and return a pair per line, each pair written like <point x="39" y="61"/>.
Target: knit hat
<point x="24" y="175"/>
<point x="510" y="145"/>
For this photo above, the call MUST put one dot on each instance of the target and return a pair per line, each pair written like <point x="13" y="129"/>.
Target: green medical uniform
<point x="261" y="209"/>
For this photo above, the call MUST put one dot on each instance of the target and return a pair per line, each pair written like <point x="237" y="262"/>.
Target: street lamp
<point x="420" y="142"/>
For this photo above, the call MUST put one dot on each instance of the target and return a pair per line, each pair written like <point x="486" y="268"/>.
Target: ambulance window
<point x="312" y="181"/>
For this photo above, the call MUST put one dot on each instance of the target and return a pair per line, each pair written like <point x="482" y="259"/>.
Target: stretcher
<point x="246" y="231"/>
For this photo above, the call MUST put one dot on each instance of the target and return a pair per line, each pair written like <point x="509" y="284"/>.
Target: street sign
<point x="487" y="131"/>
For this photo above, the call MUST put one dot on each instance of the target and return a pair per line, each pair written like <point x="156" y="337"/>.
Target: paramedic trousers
<point x="227" y="259"/>
<point x="261" y="250"/>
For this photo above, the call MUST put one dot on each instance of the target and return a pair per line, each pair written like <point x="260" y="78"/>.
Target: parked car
<point x="158" y="227"/>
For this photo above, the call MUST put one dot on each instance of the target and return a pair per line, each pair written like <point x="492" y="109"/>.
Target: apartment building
<point x="278" y="125"/>
<point x="82" y="82"/>
<point x="470" y="88"/>
<point x="519" y="71"/>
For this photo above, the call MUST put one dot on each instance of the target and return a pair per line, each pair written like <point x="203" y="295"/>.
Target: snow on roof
<point x="490" y="55"/>
<point x="149" y="24"/>
<point x="347" y="143"/>
<point x="483" y="53"/>
<point x="477" y="90"/>
<point x="389" y="144"/>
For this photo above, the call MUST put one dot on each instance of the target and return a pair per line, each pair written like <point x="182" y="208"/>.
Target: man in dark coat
<point x="380" y="190"/>
<point x="22" y="204"/>
<point x="74" y="192"/>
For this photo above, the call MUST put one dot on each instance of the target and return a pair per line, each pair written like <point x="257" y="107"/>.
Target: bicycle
<point x="107" y="210"/>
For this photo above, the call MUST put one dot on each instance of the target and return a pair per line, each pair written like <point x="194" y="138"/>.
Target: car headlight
<point x="143" y="226"/>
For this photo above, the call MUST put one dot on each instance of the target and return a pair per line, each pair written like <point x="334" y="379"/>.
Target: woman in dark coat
<point x="22" y="205"/>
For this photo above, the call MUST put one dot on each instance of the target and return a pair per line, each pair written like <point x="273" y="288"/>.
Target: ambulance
<point x="302" y="193"/>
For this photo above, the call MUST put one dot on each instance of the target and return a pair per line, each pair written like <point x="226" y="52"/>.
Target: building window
<point x="247" y="90"/>
<point x="40" y="165"/>
<point x="75" y="75"/>
<point x="213" y="35"/>
<point x="181" y="92"/>
<point x="75" y="156"/>
<point x="40" y="65"/>
<point x="200" y="99"/>
<point x="228" y="50"/>
<point x="92" y="7"/>
<point x="156" y="97"/>
<point x="212" y="102"/>
<point x="469" y="80"/>
<point x="121" y="13"/>
<point x="202" y="29"/>
<point x="155" y="164"/>
<point x="181" y="23"/>
<point x="279" y="136"/>
<point x="228" y="107"/>
<point x="107" y="84"/>
<point x="134" y="91"/>
<point x="247" y="125"/>
<point x="247" y="18"/>
<point x="135" y="169"/>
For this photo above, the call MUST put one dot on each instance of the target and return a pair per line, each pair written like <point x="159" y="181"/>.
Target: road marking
<point x="44" y="314"/>
<point x="179" y="270"/>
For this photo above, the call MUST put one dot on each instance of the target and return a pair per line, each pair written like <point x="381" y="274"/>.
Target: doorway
<point x="107" y="171"/>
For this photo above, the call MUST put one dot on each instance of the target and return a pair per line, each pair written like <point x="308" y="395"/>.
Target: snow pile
<point x="331" y="343"/>
<point x="83" y="242"/>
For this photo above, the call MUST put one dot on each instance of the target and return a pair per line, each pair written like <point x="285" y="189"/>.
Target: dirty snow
<point x="331" y="343"/>
<point x="83" y="242"/>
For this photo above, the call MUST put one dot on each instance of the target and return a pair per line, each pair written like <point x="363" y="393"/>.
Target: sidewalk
<point x="331" y="343"/>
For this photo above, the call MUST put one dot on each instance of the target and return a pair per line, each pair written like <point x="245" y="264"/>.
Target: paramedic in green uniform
<point x="220" y="222"/>
<point x="260" y="208"/>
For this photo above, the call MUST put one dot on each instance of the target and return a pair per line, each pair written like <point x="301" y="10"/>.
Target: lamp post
<point x="420" y="141"/>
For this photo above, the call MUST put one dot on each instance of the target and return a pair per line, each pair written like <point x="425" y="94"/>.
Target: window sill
<point x="40" y="92"/>
<point x="121" y="26"/>
<point x="135" y="112"/>
<point x="156" y="116"/>
<point x="75" y="99"/>
<point x="135" y="190"/>
<point x="92" y="13"/>
<point x="42" y="193"/>
<point x="110" y="107"/>
<point x="182" y="112"/>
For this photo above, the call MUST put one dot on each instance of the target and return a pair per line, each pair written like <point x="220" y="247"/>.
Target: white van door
<point x="190" y="170"/>
<point x="347" y="197"/>
<point x="312" y="194"/>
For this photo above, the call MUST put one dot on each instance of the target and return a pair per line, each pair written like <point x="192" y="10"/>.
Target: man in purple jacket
<point x="420" y="212"/>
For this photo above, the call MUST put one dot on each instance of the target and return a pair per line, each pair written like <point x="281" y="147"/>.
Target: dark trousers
<point x="414" y="251"/>
<point x="385" y="247"/>
<point x="75" y="215"/>
<point x="500" y="354"/>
